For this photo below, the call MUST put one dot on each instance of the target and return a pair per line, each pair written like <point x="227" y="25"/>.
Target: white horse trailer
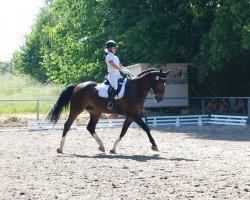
<point x="177" y="85"/>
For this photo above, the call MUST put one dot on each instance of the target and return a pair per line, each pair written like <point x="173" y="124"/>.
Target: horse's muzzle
<point x="158" y="98"/>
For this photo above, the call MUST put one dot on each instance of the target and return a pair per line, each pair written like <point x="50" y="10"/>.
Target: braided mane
<point x="146" y="71"/>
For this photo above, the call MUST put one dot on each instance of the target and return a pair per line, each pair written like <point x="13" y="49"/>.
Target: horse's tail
<point x="62" y="102"/>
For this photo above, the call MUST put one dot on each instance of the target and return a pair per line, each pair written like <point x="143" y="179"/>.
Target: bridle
<point x="158" y="78"/>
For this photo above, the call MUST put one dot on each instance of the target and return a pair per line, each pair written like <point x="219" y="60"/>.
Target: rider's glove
<point x="127" y="72"/>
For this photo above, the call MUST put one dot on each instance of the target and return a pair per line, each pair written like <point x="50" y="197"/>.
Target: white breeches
<point x="113" y="78"/>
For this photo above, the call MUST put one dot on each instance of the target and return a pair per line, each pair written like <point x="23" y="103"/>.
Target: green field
<point x="15" y="87"/>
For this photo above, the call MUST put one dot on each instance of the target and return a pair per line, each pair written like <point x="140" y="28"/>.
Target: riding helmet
<point x="110" y="43"/>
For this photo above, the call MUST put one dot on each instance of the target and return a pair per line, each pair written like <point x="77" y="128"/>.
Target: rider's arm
<point x="114" y="65"/>
<point x="122" y="68"/>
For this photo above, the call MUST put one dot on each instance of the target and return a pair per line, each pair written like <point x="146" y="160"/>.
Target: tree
<point x="73" y="52"/>
<point x="224" y="52"/>
<point x="30" y="57"/>
<point x="67" y="41"/>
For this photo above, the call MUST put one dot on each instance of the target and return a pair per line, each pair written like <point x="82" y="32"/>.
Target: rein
<point x="151" y="91"/>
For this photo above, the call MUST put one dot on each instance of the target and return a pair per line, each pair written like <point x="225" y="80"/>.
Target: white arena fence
<point x="177" y="120"/>
<point x="46" y="125"/>
<point x="158" y="121"/>
<point x="113" y="123"/>
<point x="228" y="120"/>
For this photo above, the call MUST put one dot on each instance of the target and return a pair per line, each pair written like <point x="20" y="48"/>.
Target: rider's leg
<point x="110" y="99"/>
<point x="114" y="83"/>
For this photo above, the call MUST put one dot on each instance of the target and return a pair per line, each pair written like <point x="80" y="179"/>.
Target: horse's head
<point x="159" y="81"/>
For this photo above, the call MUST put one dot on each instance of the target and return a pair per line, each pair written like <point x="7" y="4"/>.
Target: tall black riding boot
<point x="111" y="97"/>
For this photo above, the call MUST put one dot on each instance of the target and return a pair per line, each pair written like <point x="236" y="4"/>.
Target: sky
<point x="16" y="19"/>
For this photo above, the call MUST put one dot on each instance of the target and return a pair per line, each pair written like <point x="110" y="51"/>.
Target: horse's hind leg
<point x="94" y="118"/>
<point x="72" y="116"/>
<point x="125" y="126"/>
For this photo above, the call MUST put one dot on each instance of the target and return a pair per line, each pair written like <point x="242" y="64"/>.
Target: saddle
<point x="105" y="89"/>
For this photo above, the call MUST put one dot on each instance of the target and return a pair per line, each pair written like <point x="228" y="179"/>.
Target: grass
<point x="24" y="87"/>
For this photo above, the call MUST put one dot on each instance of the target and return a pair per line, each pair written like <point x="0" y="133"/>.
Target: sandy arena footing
<point x="207" y="162"/>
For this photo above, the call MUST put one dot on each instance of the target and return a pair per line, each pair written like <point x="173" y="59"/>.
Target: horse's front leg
<point x="144" y="126"/>
<point x="125" y="126"/>
<point x="91" y="128"/>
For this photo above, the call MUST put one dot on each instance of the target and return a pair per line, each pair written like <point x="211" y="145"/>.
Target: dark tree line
<point x="67" y="40"/>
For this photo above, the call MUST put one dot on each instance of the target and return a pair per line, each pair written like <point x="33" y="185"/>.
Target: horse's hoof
<point x="155" y="148"/>
<point x="112" y="151"/>
<point x="59" y="150"/>
<point x="102" y="149"/>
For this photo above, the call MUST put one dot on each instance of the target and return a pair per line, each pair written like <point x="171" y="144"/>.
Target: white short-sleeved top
<point x="115" y="59"/>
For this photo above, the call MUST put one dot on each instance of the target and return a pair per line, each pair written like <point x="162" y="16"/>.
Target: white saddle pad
<point x="103" y="90"/>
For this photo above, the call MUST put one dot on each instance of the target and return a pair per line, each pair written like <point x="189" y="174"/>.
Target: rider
<point x="114" y="68"/>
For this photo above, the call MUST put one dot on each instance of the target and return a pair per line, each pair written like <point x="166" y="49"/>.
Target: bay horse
<point x="85" y="96"/>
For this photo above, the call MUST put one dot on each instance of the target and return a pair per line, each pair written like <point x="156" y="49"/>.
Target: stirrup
<point x="110" y="105"/>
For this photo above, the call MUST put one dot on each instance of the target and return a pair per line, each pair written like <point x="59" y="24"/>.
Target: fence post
<point x="248" y="111"/>
<point x="177" y="123"/>
<point x="37" y="110"/>
<point x="199" y="122"/>
<point x="203" y="107"/>
<point x="154" y="122"/>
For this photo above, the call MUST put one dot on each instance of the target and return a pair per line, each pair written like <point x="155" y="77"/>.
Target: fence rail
<point x="202" y="99"/>
<point x="36" y="101"/>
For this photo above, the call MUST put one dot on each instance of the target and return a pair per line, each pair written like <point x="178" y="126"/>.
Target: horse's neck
<point x="144" y="83"/>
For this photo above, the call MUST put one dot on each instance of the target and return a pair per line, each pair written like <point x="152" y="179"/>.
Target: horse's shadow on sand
<point x="138" y="158"/>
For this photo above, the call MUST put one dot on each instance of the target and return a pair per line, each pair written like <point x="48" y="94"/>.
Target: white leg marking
<point x="62" y="143"/>
<point x="98" y="140"/>
<point x="116" y="144"/>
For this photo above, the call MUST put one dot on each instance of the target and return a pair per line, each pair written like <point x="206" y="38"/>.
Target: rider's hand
<point x="127" y="72"/>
